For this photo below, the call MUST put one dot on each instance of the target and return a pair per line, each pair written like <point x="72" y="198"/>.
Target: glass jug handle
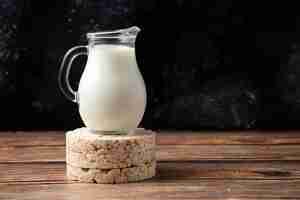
<point x="64" y="71"/>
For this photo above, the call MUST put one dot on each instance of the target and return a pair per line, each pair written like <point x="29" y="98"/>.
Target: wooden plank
<point x="228" y="137"/>
<point x="228" y="152"/>
<point x="55" y="172"/>
<point x="154" y="189"/>
<point x="32" y="154"/>
<point x="229" y="170"/>
<point x="165" y="138"/>
<point x="165" y="153"/>
<point x="33" y="172"/>
<point x="42" y="138"/>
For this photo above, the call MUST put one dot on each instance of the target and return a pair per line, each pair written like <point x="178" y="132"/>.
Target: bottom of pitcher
<point x="116" y="132"/>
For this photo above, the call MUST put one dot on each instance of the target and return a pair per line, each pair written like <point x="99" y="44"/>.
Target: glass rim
<point x="115" y="34"/>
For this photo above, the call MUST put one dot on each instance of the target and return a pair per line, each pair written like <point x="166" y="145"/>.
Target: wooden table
<point x="192" y="165"/>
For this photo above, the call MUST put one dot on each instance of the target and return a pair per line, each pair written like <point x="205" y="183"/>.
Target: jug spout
<point x="129" y="35"/>
<point x="131" y="32"/>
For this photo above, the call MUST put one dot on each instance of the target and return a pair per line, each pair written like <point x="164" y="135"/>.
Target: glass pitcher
<point x="111" y="93"/>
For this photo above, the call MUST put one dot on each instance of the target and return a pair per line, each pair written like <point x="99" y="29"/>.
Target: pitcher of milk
<point x="111" y="94"/>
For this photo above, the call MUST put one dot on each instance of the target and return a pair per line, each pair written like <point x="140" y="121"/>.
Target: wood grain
<point x="50" y="138"/>
<point x="28" y="154"/>
<point x="41" y="138"/>
<point x="165" y="153"/>
<point x="228" y="170"/>
<point x="157" y="189"/>
<point x="228" y="137"/>
<point x="228" y="152"/>
<point x="55" y="172"/>
<point x="33" y="172"/>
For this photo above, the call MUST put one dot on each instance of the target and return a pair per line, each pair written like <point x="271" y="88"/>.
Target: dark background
<point x="207" y="64"/>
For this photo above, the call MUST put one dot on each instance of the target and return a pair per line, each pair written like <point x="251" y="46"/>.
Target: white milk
<point x="112" y="93"/>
